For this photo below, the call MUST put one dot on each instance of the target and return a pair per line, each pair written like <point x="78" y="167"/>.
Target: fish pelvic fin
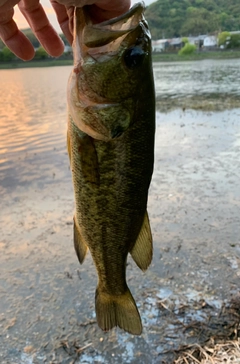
<point x="117" y="310"/>
<point x="79" y="245"/>
<point x="142" y="250"/>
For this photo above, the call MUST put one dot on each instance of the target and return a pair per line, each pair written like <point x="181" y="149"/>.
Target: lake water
<point x="46" y="297"/>
<point x="33" y="125"/>
<point x="33" y="113"/>
<point x="207" y="77"/>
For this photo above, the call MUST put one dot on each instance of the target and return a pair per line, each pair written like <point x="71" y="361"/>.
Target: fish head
<point x="112" y="69"/>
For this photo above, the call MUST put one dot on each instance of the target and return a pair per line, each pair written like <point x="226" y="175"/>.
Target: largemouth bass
<point x="111" y="127"/>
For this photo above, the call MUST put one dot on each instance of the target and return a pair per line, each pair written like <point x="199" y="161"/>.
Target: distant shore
<point x="157" y="57"/>
<point x="174" y="57"/>
<point x="32" y="64"/>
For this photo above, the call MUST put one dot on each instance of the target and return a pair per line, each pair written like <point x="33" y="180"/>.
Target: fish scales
<point x="111" y="149"/>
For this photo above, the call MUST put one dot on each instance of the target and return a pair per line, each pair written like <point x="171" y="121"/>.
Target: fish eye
<point x="133" y="57"/>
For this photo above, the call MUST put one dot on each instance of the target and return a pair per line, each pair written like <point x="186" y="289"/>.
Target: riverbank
<point x="198" y="56"/>
<point x="157" y="57"/>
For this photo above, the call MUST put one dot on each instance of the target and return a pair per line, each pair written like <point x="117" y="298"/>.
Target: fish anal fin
<point x="117" y="310"/>
<point x="79" y="245"/>
<point x="142" y="250"/>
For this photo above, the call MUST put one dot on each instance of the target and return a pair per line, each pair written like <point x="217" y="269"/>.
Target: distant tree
<point x="7" y="55"/>
<point x="64" y="39"/>
<point x="185" y="40"/>
<point x="31" y="36"/>
<point x="198" y="22"/>
<point x="210" y="5"/>
<point x="223" y="38"/>
<point x="234" y="41"/>
<point x="169" y="18"/>
<point x="187" y="50"/>
<point x="223" y="19"/>
<point x="41" y="54"/>
<point x="2" y="45"/>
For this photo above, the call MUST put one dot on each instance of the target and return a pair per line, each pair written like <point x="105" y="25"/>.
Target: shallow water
<point x="46" y="297"/>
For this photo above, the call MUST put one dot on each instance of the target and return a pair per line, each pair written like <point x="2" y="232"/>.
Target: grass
<point x="214" y="340"/>
<point x="227" y="352"/>
<point x="174" y="57"/>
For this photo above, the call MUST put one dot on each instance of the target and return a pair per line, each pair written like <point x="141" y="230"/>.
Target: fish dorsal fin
<point x="79" y="245"/>
<point x="97" y="35"/>
<point x="94" y="37"/>
<point x="142" y="250"/>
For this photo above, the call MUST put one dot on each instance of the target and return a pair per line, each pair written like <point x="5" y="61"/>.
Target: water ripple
<point x="182" y="79"/>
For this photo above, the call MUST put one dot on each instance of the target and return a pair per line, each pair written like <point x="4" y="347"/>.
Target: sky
<point x="20" y="20"/>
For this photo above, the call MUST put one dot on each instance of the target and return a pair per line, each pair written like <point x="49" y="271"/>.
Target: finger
<point x="118" y="7"/>
<point x="40" y="25"/>
<point x="76" y="3"/>
<point x="15" y="40"/>
<point x="107" y="9"/>
<point x="63" y="19"/>
<point x="7" y="4"/>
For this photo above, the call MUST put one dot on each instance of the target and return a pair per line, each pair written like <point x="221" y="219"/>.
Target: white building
<point x="210" y="41"/>
<point x="67" y="49"/>
<point x="159" y="45"/>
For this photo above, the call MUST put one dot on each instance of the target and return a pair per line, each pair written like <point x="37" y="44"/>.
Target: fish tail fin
<point x="117" y="310"/>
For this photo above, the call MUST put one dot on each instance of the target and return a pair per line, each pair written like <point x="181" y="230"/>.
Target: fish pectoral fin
<point x="142" y="250"/>
<point x="118" y="311"/>
<point x="79" y="245"/>
<point x="110" y="120"/>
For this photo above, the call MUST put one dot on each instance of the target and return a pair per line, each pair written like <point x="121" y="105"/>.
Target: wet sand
<point x="47" y="298"/>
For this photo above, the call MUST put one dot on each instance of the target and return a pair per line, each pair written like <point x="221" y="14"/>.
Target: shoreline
<point x="34" y="64"/>
<point x="156" y="57"/>
<point x="198" y="56"/>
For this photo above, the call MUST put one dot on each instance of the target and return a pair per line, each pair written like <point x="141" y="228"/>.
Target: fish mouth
<point x="105" y="36"/>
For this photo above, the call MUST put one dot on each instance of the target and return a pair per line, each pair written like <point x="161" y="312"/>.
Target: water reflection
<point x="32" y="124"/>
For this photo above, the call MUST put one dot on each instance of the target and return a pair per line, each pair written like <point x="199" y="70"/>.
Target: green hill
<point x="174" y="18"/>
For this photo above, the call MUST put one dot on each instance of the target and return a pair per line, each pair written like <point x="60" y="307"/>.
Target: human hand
<point x="99" y="10"/>
<point x="16" y="41"/>
<point x="35" y="15"/>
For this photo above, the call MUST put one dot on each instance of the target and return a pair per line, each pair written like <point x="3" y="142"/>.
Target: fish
<point x="110" y="140"/>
